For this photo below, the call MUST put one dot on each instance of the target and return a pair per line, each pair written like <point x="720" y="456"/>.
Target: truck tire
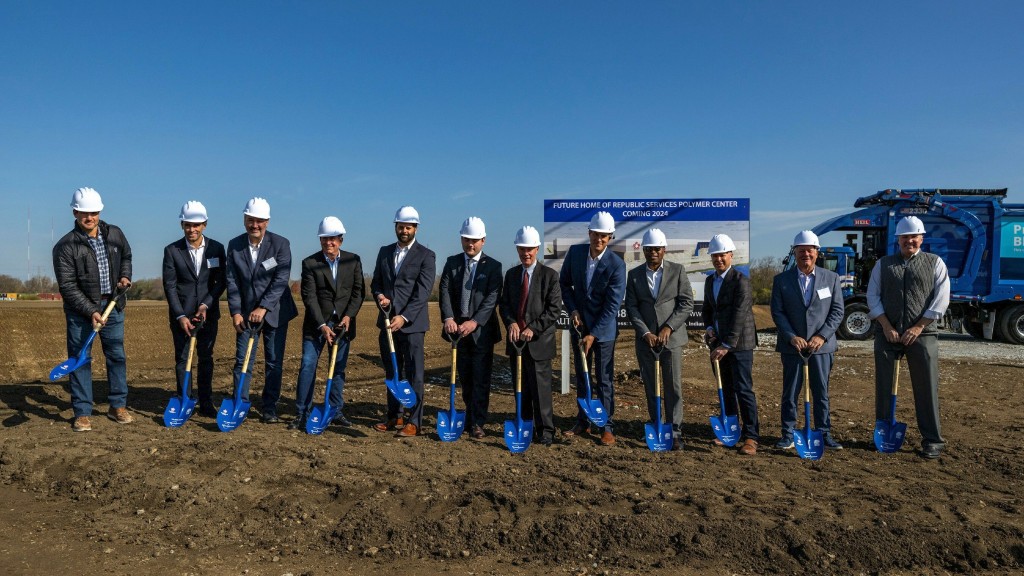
<point x="1011" y="325"/>
<point x="856" y="324"/>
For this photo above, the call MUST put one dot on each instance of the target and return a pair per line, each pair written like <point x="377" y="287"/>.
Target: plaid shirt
<point x="100" y="248"/>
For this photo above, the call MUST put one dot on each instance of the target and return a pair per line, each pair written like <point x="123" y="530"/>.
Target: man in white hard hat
<point x="531" y="302"/>
<point x="259" y="265"/>
<point x="90" y="263"/>
<point x="907" y="293"/>
<point x="194" y="279"/>
<point x="593" y="284"/>
<point x="332" y="291"/>
<point x="807" y="308"/>
<point x="659" y="300"/>
<point x="468" y="293"/>
<point x="728" y="314"/>
<point x="403" y="278"/>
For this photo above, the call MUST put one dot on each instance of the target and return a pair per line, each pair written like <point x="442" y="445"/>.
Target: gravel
<point x="959" y="346"/>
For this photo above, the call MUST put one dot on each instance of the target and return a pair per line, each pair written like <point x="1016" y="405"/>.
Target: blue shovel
<point x="233" y="411"/>
<point x="809" y="443"/>
<point x="71" y="364"/>
<point x="400" y="389"/>
<point x="659" y="435"/>
<point x="594" y="409"/>
<point x="180" y="408"/>
<point x="889" y="434"/>
<point x="320" y="416"/>
<point x="727" y="428"/>
<point x="518" y="434"/>
<point x="451" y="424"/>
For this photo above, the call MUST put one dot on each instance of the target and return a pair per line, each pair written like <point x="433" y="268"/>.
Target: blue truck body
<point x="977" y="234"/>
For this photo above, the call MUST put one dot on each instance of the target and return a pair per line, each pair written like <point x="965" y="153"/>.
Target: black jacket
<point x="78" y="273"/>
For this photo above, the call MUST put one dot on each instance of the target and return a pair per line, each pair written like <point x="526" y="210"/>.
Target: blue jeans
<point x="112" y="338"/>
<point x="311" y="349"/>
<point x="273" y="359"/>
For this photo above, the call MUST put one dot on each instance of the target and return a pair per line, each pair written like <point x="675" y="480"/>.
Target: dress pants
<point x="601" y="361"/>
<point x="536" y="393"/>
<point x="923" y="363"/>
<point x="203" y="359"/>
<point x="738" y="388"/>
<point x="273" y="360"/>
<point x="671" y="385"/>
<point x="409" y="353"/>
<point x="475" y="365"/>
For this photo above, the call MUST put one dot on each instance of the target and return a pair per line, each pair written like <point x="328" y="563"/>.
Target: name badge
<point x="824" y="293"/>
<point x="269" y="263"/>
<point x="213" y="262"/>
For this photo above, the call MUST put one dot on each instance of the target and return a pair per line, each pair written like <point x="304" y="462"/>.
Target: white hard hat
<point x="86" y="200"/>
<point x="473" y="228"/>
<point x="257" y="208"/>
<point x="193" y="211"/>
<point x="654" y="237"/>
<point x="910" y="226"/>
<point x="331" y="226"/>
<point x="806" y="238"/>
<point x="407" y="215"/>
<point x="603" y="223"/>
<point x="527" y="237"/>
<point x="721" y="243"/>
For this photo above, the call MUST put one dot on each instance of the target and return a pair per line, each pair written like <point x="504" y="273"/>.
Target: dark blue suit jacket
<point x="599" y="306"/>
<point x="410" y="289"/>
<point x="792" y="318"/>
<point x="483" y="299"/>
<point x="186" y="290"/>
<point x="263" y="284"/>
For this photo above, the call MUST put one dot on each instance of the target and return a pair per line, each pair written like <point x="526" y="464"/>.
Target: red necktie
<point x="523" y="293"/>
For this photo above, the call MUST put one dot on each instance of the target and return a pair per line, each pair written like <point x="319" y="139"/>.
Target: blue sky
<point x="487" y="108"/>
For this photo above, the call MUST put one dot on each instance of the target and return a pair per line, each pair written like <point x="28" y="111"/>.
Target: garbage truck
<point x="977" y="234"/>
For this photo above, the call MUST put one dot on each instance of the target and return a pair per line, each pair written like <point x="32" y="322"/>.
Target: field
<point x="262" y="500"/>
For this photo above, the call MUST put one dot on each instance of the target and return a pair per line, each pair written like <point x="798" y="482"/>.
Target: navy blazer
<point x="263" y="284"/>
<point x="410" y="289"/>
<point x="793" y="318"/>
<point x="483" y="298"/>
<point x="185" y="290"/>
<point x="324" y="295"/>
<point x="599" y="306"/>
<point x="733" y="310"/>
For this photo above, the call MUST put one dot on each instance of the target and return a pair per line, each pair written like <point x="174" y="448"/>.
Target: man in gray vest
<point x="907" y="293"/>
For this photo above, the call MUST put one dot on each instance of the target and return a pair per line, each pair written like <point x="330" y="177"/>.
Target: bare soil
<point x="142" y="498"/>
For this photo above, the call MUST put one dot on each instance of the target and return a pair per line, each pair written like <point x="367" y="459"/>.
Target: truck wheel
<point x="856" y="324"/>
<point x="1011" y="325"/>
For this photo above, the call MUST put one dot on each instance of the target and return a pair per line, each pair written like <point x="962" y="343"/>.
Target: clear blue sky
<point x="487" y="108"/>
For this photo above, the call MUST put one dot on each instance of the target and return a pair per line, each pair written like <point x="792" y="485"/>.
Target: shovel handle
<point x="717" y="369"/>
<point x="118" y="293"/>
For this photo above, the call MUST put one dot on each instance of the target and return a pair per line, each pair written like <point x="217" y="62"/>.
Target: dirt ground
<point x="142" y="498"/>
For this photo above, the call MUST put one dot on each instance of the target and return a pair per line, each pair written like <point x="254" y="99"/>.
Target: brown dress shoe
<point x="477" y="433"/>
<point x="392" y="424"/>
<point x="718" y="442"/>
<point x="577" y="430"/>
<point x="408" y="430"/>
<point x="749" y="447"/>
<point x="607" y="439"/>
<point x="120" y="415"/>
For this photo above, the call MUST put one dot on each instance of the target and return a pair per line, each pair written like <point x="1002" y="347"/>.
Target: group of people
<point x="93" y="264"/>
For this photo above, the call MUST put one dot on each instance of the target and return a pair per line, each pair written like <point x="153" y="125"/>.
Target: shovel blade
<point x="810" y="444"/>
<point x="659" y="436"/>
<point x="178" y="411"/>
<point x="726" y="428"/>
<point x="319" y="419"/>
<point x="68" y="366"/>
<point x="518" y="435"/>
<point x="450" y="425"/>
<point x="889" y="436"/>
<point x="402" y="391"/>
<point x="232" y="414"/>
<point x="594" y="411"/>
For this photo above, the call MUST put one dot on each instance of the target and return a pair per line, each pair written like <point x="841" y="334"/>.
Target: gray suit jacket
<point x="821" y="317"/>
<point x="263" y="284"/>
<point x="671" y="308"/>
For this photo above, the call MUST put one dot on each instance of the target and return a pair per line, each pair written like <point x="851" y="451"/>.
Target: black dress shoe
<point x="208" y="410"/>
<point x="547" y="440"/>
<point x="930" y="452"/>
<point x="297" y="424"/>
<point x="341" y="420"/>
<point x="270" y="418"/>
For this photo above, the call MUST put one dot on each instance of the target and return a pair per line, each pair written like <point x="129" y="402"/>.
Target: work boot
<point x="81" y="424"/>
<point x="120" y="415"/>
